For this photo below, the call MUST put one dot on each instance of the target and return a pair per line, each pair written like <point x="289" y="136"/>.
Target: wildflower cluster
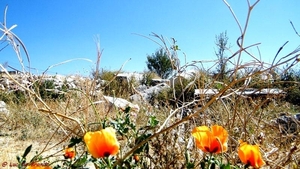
<point x="214" y="141"/>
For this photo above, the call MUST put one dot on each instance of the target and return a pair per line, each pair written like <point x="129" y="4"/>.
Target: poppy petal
<point x="250" y="154"/>
<point x="102" y="143"/>
<point x="212" y="140"/>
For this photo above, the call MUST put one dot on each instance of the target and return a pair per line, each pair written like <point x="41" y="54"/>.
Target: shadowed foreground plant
<point x="102" y="143"/>
<point x="250" y="155"/>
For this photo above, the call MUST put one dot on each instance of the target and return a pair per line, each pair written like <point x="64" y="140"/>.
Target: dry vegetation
<point x="50" y="124"/>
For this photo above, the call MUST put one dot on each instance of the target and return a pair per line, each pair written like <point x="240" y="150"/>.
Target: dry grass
<point x="241" y="117"/>
<point x="51" y="124"/>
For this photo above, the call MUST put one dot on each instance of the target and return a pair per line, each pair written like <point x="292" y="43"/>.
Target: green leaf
<point x="80" y="162"/>
<point x="18" y="158"/>
<point x="127" y="110"/>
<point x="153" y="121"/>
<point x="187" y="156"/>
<point x="74" y="141"/>
<point x="223" y="166"/>
<point x="144" y="147"/>
<point x="202" y="164"/>
<point x="190" y="165"/>
<point x="27" y="150"/>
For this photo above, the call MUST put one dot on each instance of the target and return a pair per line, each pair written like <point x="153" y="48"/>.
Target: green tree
<point x="160" y="64"/>
<point x="221" y="42"/>
<point x="290" y="81"/>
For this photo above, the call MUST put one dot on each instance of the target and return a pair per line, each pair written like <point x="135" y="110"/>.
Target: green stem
<point x="109" y="162"/>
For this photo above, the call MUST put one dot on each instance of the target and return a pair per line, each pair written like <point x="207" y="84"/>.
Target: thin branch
<point x="279" y="51"/>
<point x="148" y="38"/>
<point x="232" y="12"/>
<point x="5" y="12"/>
<point x="293" y="52"/>
<point x="294" y="28"/>
<point x="66" y="61"/>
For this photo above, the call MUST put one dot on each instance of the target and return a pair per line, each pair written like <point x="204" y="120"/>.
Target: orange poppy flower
<point x="69" y="153"/>
<point x="250" y="154"/>
<point x="211" y="140"/>
<point x="38" y="166"/>
<point x="102" y="143"/>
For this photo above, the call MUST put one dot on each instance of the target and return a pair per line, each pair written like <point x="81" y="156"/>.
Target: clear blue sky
<point x="56" y="31"/>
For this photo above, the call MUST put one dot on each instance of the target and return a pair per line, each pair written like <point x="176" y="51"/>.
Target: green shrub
<point x="183" y="93"/>
<point x="147" y="78"/>
<point x="117" y="86"/>
<point x="48" y="91"/>
<point x="293" y="95"/>
<point x="17" y="96"/>
<point x="291" y="84"/>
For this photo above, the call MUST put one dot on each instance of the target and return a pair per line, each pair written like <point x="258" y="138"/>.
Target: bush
<point x="117" y="86"/>
<point x="293" y="95"/>
<point x="147" y="78"/>
<point x="48" y="91"/>
<point x="17" y="96"/>
<point x="183" y="93"/>
<point x="291" y="84"/>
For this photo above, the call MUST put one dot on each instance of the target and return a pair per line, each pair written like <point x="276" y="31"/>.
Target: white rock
<point x="89" y="165"/>
<point x="122" y="103"/>
<point x="145" y="95"/>
<point x="3" y="108"/>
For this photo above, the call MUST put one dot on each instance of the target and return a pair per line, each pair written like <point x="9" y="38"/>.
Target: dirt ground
<point x="11" y="147"/>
